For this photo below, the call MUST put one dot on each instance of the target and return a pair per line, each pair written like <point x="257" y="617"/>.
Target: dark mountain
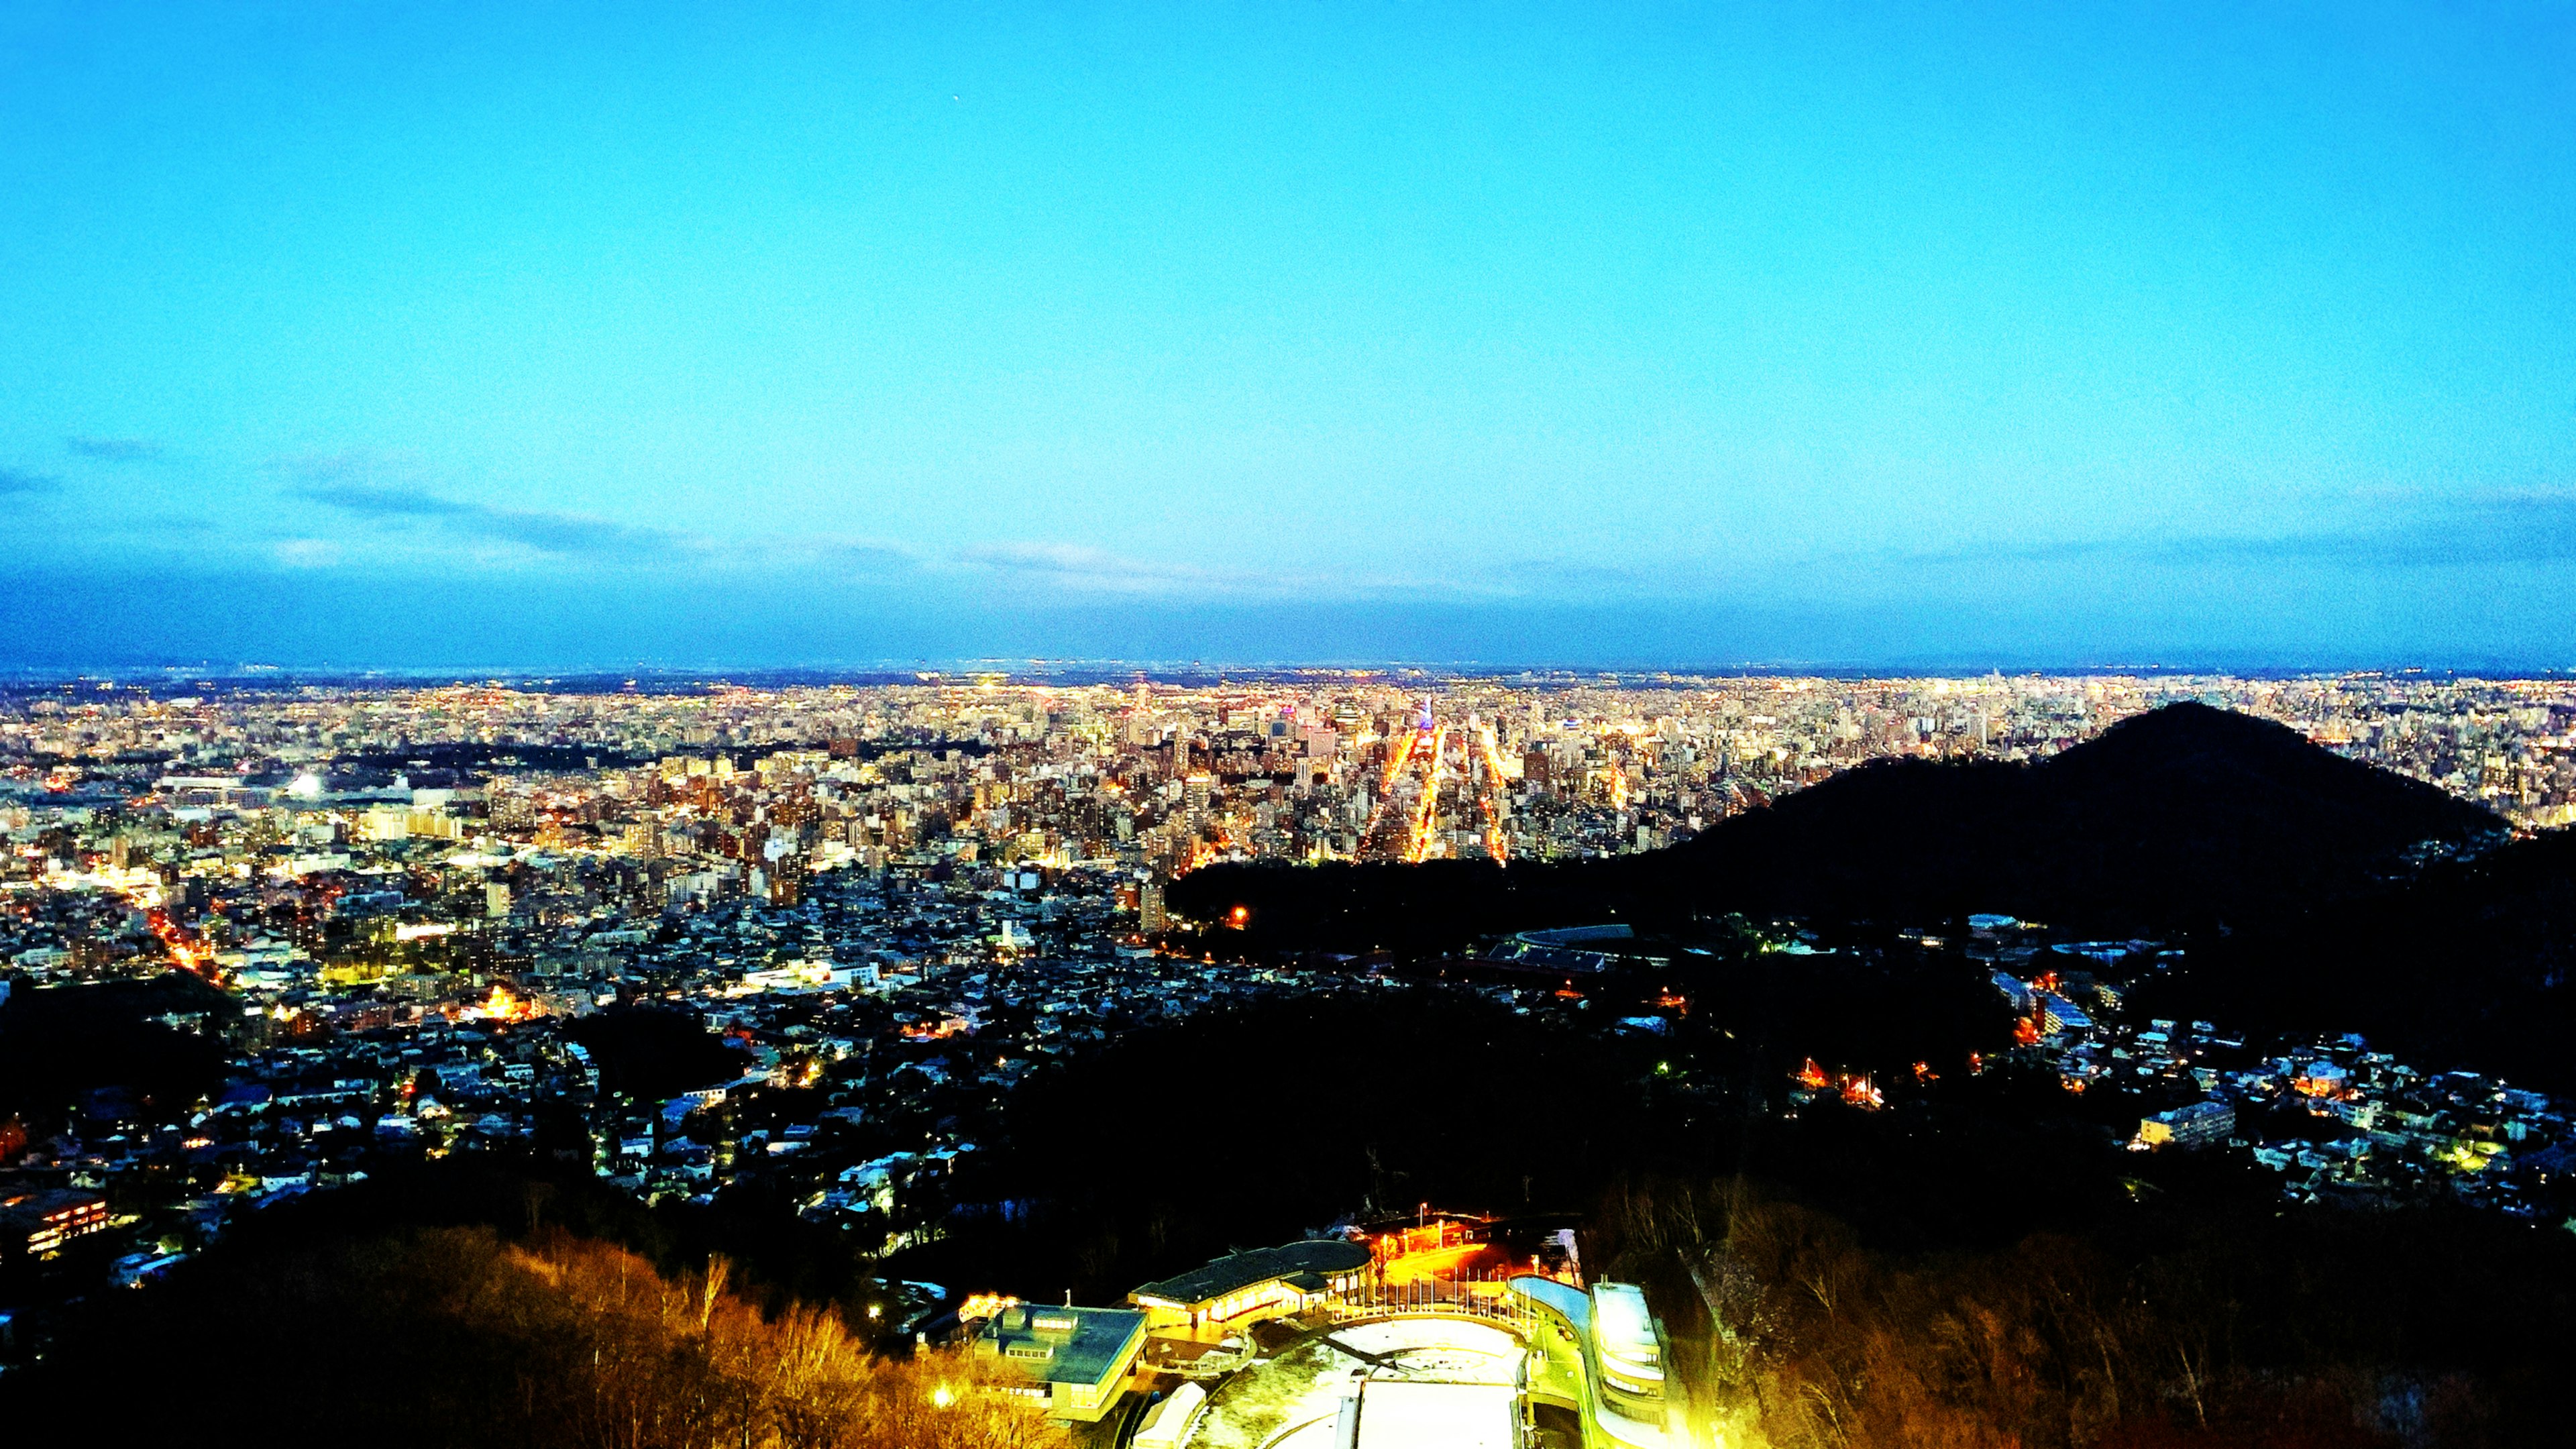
<point x="2183" y="818"/>
<point x="62" y="1042"/>
<point x="649" y="1051"/>
<point x="2186" y="816"/>
<point x="2472" y="963"/>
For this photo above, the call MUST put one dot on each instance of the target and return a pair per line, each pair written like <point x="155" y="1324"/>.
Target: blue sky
<point x="554" y="335"/>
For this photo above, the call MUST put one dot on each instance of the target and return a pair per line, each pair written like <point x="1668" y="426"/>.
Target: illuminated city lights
<point x="894" y="903"/>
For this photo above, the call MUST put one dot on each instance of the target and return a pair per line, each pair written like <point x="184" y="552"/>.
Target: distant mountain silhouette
<point x="2183" y="818"/>
<point x="2472" y="963"/>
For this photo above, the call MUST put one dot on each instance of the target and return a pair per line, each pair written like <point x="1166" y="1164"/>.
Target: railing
<point x="1476" y="1296"/>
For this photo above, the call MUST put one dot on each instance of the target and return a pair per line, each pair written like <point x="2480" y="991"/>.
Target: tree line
<point x="2208" y="1329"/>
<point x="454" y="1336"/>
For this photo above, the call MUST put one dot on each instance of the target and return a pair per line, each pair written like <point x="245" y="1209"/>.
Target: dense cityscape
<point x="804" y="939"/>
<point x="1287" y="727"/>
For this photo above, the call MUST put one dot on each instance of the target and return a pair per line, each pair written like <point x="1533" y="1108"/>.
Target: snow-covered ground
<point x="1295" y="1401"/>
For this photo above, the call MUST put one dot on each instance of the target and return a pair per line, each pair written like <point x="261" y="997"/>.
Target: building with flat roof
<point x="1082" y="1357"/>
<point x="2057" y="1014"/>
<point x="2202" y="1124"/>
<point x="1262" y="1283"/>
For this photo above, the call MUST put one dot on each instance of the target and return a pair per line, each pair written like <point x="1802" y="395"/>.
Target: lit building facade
<point x="1247" y="1287"/>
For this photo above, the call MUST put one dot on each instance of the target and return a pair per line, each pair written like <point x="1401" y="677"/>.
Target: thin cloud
<point x="115" y="450"/>
<point x="376" y="490"/>
<point x="371" y="501"/>
<point x="1082" y="565"/>
<point x="306" y="553"/>
<point x="2480" y="531"/>
<point x="850" y="552"/>
<point x="20" y="481"/>
<point x="1095" y="570"/>
<point x="565" y="535"/>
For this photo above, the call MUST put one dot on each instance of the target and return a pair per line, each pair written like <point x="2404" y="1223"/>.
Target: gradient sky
<point x="531" y="335"/>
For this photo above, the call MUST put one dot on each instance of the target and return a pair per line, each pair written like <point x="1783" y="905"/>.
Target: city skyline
<point x="1366" y="725"/>
<point x="1635" y="338"/>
